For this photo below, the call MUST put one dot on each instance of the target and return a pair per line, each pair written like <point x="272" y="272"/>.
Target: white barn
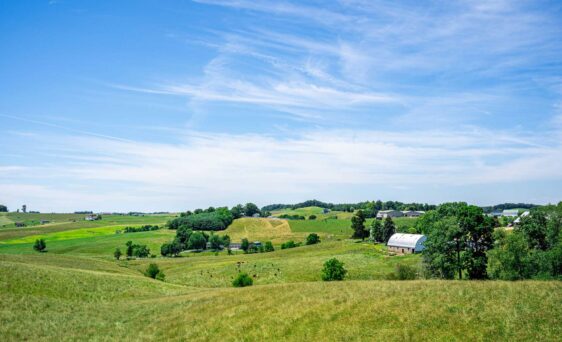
<point x="406" y="243"/>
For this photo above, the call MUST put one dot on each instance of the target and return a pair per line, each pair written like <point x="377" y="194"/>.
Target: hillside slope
<point x="100" y="302"/>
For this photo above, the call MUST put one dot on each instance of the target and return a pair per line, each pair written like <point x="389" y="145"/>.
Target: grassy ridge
<point x="64" y="303"/>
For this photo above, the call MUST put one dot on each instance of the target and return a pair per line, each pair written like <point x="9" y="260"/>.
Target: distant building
<point x="510" y="212"/>
<point x="235" y="246"/>
<point x="496" y="213"/>
<point x="45" y="221"/>
<point x="325" y="210"/>
<point x="20" y="224"/>
<point x="256" y="215"/>
<point x="412" y="213"/>
<point x="389" y="213"/>
<point x="257" y="243"/>
<point x="406" y="243"/>
<point x="92" y="217"/>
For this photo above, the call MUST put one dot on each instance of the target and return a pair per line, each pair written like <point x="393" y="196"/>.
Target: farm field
<point x="64" y="222"/>
<point x="80" y="292"/>
<point x="319" y="212"/>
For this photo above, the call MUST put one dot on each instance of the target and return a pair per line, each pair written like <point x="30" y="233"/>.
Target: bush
<point x="289" y="244"/>
<point x="117" y="254"/>
<point x="312" y="239"/>
<point x="154" y="272"/>
<point x="40" y="245"/>
<point x="242" y="280"/>
<point x="333" y="270"/>
<point x="403" y="272"/>
<point x="312" y="217"/>
<point x="269" y="246"/>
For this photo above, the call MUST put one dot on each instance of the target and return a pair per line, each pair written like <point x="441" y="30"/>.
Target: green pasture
<point x="61" y="298"/>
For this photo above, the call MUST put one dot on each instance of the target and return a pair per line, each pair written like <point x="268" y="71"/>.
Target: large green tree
<point x="358" y="225"/>
<point x="388" y="229"/>
<point x="3" y="208"/>
<point x="459" y="236"/>
<point x="375" y="232"/>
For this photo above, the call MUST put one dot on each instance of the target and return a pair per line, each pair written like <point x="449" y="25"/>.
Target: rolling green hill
<point x="77" y="291"/>
<point x="97" y="300"/>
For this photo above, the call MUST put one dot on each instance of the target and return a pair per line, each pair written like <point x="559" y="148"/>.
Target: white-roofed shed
<point x="406" y="243"/>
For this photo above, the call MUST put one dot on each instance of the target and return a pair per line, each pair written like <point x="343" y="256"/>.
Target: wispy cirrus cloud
<point x="207" y="168"/>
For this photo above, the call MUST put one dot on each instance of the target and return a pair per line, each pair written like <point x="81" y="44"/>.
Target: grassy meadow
<point x="77" y="291"/>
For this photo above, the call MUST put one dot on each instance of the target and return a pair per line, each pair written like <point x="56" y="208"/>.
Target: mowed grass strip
<point x="63" y="222"/>
<point x="101" y="246"/>
<point x="67" y="234"/>
<point x="64" y="303"/>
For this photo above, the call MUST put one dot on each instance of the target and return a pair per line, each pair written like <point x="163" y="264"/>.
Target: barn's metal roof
<point x="405" y="240"/>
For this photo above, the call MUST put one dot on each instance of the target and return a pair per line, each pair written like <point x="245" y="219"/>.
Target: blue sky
<point x="170" y="105"/>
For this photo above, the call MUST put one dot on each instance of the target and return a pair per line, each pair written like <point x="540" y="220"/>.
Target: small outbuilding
<point x="510" y="213"/>
<point x="406" y="243"/>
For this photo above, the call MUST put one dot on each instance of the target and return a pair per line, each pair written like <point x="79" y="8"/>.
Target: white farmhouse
<point x="406" y="243"/>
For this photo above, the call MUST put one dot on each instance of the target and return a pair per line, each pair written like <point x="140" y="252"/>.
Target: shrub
<point x="312" y="217"/>
<point x="242" y="280"/>
<point x="290" y="244"/>
<point x="333" y="270"/>
<point x="40" y="245"/>
<point x="154" y="272"/>
<point x="403" y="272"/>
<point x="245" y="245"/>
<point x="145" y="228"/>
<point x="312" y="239"/>
<point x="269" y="246"/>
<point x="117" y="254"/>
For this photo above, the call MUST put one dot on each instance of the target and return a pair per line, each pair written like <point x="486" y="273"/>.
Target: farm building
<point x="518" y="219"/>
<point x="235" y="246"/>
<point x="412" y="213"/>
<point x="510" y="213"/>
<point x="389" y="213"/>
<point x="92" y="217"/>
<point x="45" y="221"/>
<point x="20" y="224"/>
<point x="406" y="243"/>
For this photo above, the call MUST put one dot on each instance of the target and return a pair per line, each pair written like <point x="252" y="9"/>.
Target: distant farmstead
<point x="412" y="213"/>
<point x="389" y="213"/>
<point x="510" y="213"/>
<point x="92" y="217"/>
<point x="406" y="243"/>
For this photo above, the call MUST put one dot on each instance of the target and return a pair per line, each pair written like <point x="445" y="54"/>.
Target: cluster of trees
<point x="458" y="238"/>
<point x="135" y="250"/>
<point x="370" y="208"/>
<point x="211" y="219"/>
<point x="532" y="250"/>
<point x="249" y="209"/>
<point x="186" y="239"/>
<point x="3" y="208"/>
<point x="249" y="247"/>
<point x="381" y="232"/>
<point x="145" y="228"/>
<point x="293" y="217"/>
